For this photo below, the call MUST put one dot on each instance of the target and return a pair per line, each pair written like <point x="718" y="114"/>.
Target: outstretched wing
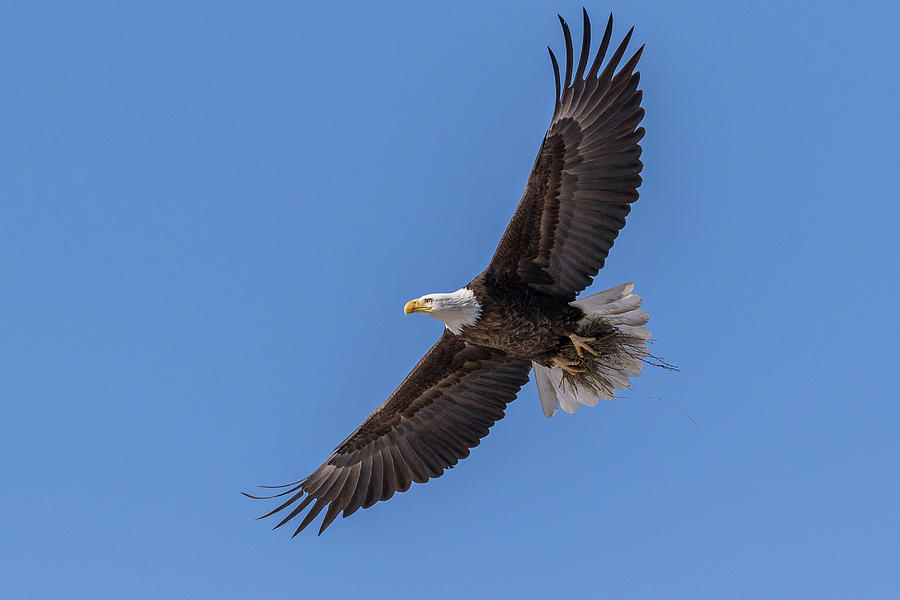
<point x="442" y="409"/>
<point x="584" y="178"/>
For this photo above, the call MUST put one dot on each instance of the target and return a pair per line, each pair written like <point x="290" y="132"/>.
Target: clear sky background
<point x="212" y="215"/>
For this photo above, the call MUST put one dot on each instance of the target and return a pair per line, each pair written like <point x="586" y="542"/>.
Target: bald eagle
<point x="521" y="313"/>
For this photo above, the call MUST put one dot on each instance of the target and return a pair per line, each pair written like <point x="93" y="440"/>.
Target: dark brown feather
<point x="568" y="35"/>
<point x="585" y="45"/>
<point x="601" y="51"/>
<point x="362" y="487"/>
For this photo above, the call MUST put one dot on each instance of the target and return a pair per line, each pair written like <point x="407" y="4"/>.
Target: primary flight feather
<point x="521" y="313"/>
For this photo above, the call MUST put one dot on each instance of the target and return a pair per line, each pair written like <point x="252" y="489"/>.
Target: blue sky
<point x="211" y="216"/>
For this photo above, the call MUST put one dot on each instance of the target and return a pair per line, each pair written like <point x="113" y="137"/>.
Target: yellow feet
<point x="569" y="366"/>
<point x="582" y="344"/>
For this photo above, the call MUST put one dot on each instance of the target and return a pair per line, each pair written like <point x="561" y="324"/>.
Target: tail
<point x="615" y="319"/>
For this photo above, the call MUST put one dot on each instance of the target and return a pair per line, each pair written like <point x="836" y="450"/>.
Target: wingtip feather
<point x="555" y="64"/>
<point x="585" y="45"/>
<point x="567" y="34"/>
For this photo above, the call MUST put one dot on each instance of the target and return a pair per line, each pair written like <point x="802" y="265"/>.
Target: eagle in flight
<point x="519" y="315"/>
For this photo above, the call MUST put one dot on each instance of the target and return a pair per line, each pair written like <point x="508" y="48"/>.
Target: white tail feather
<point x="546" y="391"/>
<point x="595" y="301"/>
<point x="633" y="317"/>
<point x="619" y="307"/>
<point x="556" y="393"/>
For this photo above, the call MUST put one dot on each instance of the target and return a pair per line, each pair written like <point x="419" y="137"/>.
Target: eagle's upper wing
<point x="442" y="409"/>
<point x="584" y="178"/>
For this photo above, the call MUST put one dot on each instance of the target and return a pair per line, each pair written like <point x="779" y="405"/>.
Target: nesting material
<point x="620" y="355"/>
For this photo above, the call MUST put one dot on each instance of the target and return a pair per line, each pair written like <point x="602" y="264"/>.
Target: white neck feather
<point x="457" y="309"/>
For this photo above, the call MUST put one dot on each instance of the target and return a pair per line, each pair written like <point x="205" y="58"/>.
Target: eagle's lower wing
<point x="584" y="178"/>
<point x="442" y="409"/>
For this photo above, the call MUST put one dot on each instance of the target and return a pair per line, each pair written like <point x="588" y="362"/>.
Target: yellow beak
<point x="413" y="306"/>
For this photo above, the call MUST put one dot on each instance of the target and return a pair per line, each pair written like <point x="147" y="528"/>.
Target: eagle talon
<point x="569" y="366"/>
<point x="582" y="344"/>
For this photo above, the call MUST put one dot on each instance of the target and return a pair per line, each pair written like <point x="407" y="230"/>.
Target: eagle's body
<point x="519" y="320"/>
<point x="521" y="313"/>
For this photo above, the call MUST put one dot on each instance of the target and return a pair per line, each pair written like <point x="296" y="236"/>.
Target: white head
<point x="457" y="309"/>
